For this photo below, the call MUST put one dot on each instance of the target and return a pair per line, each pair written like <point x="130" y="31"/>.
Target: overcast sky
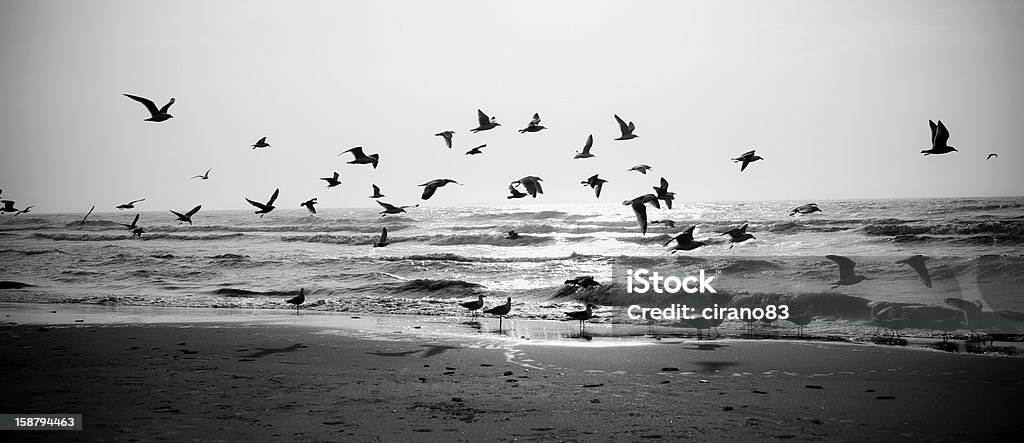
<point x="835" y="95"/>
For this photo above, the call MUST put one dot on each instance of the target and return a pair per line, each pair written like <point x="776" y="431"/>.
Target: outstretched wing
<point x="625" y="129"/>
<point x="273" y="197"/>
<point x="941" y="135"/>
<point x="262" y="206"/>
<point x="428" y="191"/>
<point x="589" y="144"/>
<point x="167" y="106"/>
<point x="147" y="102"/>
<point x="482" y="118"/>
<point x="640" y="211"/>
<point x="845" y="266"/>
<point x="933" y="127"/>
<point x="193" y="211"/>
<point x="383" y="234"/>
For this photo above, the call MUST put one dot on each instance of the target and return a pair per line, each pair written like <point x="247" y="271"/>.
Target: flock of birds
<point x="531" y="186"/>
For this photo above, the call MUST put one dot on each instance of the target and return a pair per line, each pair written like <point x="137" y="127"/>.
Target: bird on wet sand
<point x="661" y="191"/>
<point x="802" y="320"/>
<point x="298" y="300"/>
<point x="476" y="150"/>
<point x="501" y="311"/>
<point x="376" y="192"/>
<point x="747" y="158"/>
<point x="261" y="143"/>
<point x="582" y="316"/>
<point x="392" y="209"/>
<point x="383" y="239"/>
<point x="155" y="115"/>
<point x="847" y="276"/>
<point x="332" y="181"/>
<point x="685" y="241"/>
<point x="515" y="193"/>
<point x="809" y="208"/>
<point x="641" y="169"/>
<point x="485" y="122"/>
<point x="204" y="176"/>
<point x="917" y="262"/>
<point x="947" y="325"/>
<point x="447" y="136"/>
<point x="534" y="125"/>
<point x="265" y="208"/>
<point x="594" y="182"/>
<point x="738" y="235"/>
<point x="431" y="186"/>
<point x="626" y="129"/>
<point x="130" y="205"/>
<point x="309" y="205"/>
<point x="532" y="185"/>
<point x="585" y="153"/>
<point x="940" y="139"/>
<point x="361" y="158"/>
<point x="187" y="217"/>
<point x="474" y="305"/>
<point x="640" y="211"/>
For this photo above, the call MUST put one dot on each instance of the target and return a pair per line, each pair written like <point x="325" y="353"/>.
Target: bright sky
<point x="835" y="95"/>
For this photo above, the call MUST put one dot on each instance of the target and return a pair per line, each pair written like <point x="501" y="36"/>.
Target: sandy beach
<point x="147" y="374"/>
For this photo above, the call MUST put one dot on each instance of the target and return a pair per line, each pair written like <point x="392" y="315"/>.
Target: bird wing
<point x="933" y="127"/>
<point x="632" y="127"/>
<point x="688" y="234"/>
<point x="845" y="266"/>
<point x="136" y="201"/>
<point x="597" y="189"/>
<point x="428" y="190"/>
<point x="663" y="187"/>
<point x="164" y="109"/>
<point x="447" y="138"/>
<point x="376" y="190"/>
<point x="135" y="220"/>
<point x="386" y="206"/>
<point x="356" y="151"/>
<point x="536" y="119"/>
<point x="746" y="161"/>
<point x="145" y="101"/>
<point x="482" y="118"/>
<point x="917" y="262"/>
<point x="653" y="201"/>
<point x="743" y="229"/>
<point x="193" y="211"/>
<point x="273" y="197"/>
<point x="622" y="125"/>
<point x="261" y="141"/>
<point x="941" y="135"/>
<point x="180" y="215"/>
<point x="640" y="211"/>
<point x="589" y="144"/>
<point x="262" y="206"/>
<point x="383" y="234"/>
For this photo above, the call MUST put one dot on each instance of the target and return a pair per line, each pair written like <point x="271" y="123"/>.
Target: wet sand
<point x="146" y="374"/>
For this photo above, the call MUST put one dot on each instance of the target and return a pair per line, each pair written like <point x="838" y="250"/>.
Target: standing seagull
<point x="515" y="192"/>
<point x="917" y="262"/>
<point x="534" y="125"/>
<point x="684" y="241"/>
<point x="738" y="235"/>
<point x="431" y="186"/>
<point x="501" y="311"/>
<point x="809" y="208"/>
<point x="261" y="143"/>
<point x="331" y="181"/>
<point x="204" y="176"/>
<point x="376" y="192"/>
<point x="585" y="153"/>
<point x="532" y="185"/>
<point x="940" y="137"/>
<point x="309" y="205"/>
<point x="362" y="159"/>
<point x="156" y="115"/>
<point x="447" y="135"/>
<point x="474" y="305"/>
<point x="747" y="158"/>
<point x="476" y="150"/>
<point x="595" y="183"/>
<point x="298" y="300"/>
<point x="383" y="240"/>
<point x="392" y="209"/>
<point x="640" y="211"/>
<point x="265" y="208"/>
<point x="130" y="205"/>
<point x="641" y="169"/>
<point x="485" y="122"/>
<point x="627" y="130"/>
<point x="662" y="193"/>
<point x="846" y="274"/>
<point x="186" y="217"/>
<point x="582" y="316"/>
<point x="802" y="320"/>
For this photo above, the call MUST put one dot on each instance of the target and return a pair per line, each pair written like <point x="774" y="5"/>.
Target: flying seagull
<point x="515" y="192"/>
<point x="309" y="205"/>
<point x="133" y="225"/>
<point x="809" y="208"/>
<point x="661" y="191"/>
<point x="532" y="185"/>
<point x="383" y="240"/>
<point x="476" y="150"/>
<point x="261" y="143"/>
<point x="156" y="115"/>
<point x="392" y="209"/>
<point x="918" y="263"/>
<point x="485" y="122"/>
<point x="627" y="130"/>
<point x="534" y="125"/>
<point x="641" y="169"/>
<point x="362" y="159"/>
<point x="585" y="153"/>
<point x="738" y="235"/>
<point x="25" y="211"/>
<point x="204" y="176"/>
<point x="187" y="217"/>
<point x="595" y="183"/>
<point x="265" y="208"/>
<point x="747" y="158"/>
<point x="940" y="137"/>
<point x="447" y="135"/>
<point x="684" y="241"/>
<point x="640" y="211"/>
<point x="991" y="155"/>
<point x="298" y="300"/>
<point x="376" y="192"/>
<point x="87" y="214"/>
<point x="431" y="186"/>
<point x="846" y="274"/>
<point x="331" y="181"/>
<point x="130" y="204"/>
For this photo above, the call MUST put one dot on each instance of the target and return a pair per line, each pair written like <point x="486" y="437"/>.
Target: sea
<point x="439" y="257"/>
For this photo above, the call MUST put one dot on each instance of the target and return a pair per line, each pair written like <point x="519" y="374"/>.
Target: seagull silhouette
<point x="991" y="155"/>
<point x="641" y="169"/>
<point x="362" y="159"/>
<point x="594" y="182"/>
<point x="474" y="305"/>
<point x="582" y="316"/>
<point x="392" y="209"/>
<point x="476" y="150"/>
<point x="25" y="211"/>
<point x="940" y="138"/>
<point x="585" y="153"/>
<point x="661" y="191"/>
<point x="331" y="181"/>
<point x="156" y="115"/>
<point x="204" y="176"/>
<point x="261" y="143"/>
<point x="747" y="158"/>
<point x="583" y="281"/>
<point x="516" y="193"/>
<point x="809" y="208"/>
<point x="532" y="185"/>
<point x="447" y="135"/>
<point x="485" y="122"/>
<point x="627" y="130"/>
<point x="738" y="235"/>
<point x="917" y="262"/>
<point x="802" y="320"/>
<point x="640" y="211"/>
<point x="298" y="300"/>
<point x="133" y="225"/>
<point x="846" y="274"/>
<point x="309" y="205"/>
<point x="501" y="311"/>
<point x="534" y="125"/>
<point x="684" y="241"/>
<point x="431" y="186"/>
<point x="376" y="192"/>
<point x="383" y="240"/>
<point x="187" y="217"/>
<point x="130" y="204"/>
<point x="265" y="208"/>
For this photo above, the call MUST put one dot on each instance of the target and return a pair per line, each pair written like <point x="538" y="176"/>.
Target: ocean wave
<point x="1013" y="228"/>
<point x="448" y="256"/>
<point x="237" y="292"/>
<point x="75" y="236"/>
